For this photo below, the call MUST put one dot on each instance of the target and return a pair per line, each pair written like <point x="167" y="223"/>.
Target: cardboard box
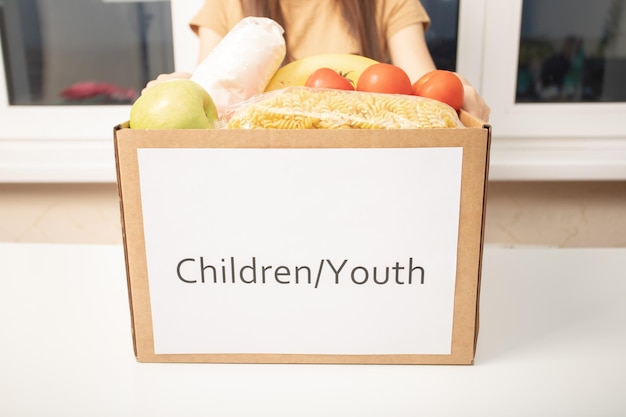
<point x="304" y="246"/>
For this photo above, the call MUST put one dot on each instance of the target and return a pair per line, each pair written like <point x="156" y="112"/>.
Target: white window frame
<point x="531" y="141"/>
<point x="56" y="143"/>
<point x="573" y="141"/>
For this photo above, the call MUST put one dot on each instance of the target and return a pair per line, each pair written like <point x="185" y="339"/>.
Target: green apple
<point x="174" y="104"/>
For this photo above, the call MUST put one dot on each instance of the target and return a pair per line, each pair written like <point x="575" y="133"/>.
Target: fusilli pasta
<point x="308" y="108"/>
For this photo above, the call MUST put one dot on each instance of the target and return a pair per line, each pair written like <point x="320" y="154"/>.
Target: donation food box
<point x="304" y="245"/>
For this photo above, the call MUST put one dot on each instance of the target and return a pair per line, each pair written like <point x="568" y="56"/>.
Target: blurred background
<point x="552" y="71"/>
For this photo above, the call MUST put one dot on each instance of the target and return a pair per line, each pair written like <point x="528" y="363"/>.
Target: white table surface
<point x="552" y="343"/>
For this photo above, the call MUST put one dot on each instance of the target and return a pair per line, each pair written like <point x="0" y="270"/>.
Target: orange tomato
<point x="384" y="78"/>
<point x="328" y="78"/>
<point x="441" y="85"/>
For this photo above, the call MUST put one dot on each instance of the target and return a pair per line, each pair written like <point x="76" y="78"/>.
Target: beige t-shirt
<point x="316" y="27"/>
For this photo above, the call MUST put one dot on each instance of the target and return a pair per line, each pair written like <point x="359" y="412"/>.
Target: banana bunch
<point x="296" y="72"/>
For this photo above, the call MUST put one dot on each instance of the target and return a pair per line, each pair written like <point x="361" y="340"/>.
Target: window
<point x="441" y="35"/>
<point x="83" y="52"/>
<point x="572" y="52"/>
<point x="571" y="131"/>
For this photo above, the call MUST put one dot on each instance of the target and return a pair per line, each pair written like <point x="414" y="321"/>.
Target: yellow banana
<point x="297" y="72"/>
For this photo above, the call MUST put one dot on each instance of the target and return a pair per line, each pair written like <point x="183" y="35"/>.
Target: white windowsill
<point x="545" y="159"/>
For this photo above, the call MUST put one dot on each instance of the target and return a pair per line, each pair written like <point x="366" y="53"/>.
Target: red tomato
<point x="328" y="78"/>
<point x="384" y="78"/>
<point x="441" y="85"/>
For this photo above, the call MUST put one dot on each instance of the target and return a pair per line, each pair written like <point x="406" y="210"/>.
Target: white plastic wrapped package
<point x="244" y="61"/>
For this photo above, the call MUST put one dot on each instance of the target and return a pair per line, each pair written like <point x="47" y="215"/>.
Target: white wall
<point x="557" y="214"/>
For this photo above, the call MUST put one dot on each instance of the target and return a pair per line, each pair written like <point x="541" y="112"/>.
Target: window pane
<point x="441" y="35"/>
<point x="83" y="51"/>
<point x="572" y="51"/>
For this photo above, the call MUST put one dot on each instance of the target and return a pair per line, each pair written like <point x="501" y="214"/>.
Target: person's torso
<point x="314" y="27"/>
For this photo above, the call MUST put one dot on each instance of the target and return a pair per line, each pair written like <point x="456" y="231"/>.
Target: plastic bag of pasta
<point x="312" y="108"/>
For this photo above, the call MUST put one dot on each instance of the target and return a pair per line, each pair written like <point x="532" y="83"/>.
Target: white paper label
<point x="301" y="251"/>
